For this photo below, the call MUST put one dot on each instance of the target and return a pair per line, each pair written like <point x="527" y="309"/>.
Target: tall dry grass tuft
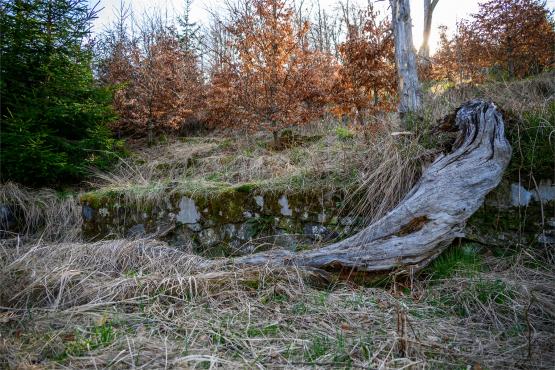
<point x="161" y="163"/>
<point x="392" y="168"/>
<point x="43" y="212"/>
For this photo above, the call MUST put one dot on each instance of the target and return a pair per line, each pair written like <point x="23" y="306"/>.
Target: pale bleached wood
<point x="424" y="52"/>
<point x="410" y="91"/>
<point x="434" y="212"/>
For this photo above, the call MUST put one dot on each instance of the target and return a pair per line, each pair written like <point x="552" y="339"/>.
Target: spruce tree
<point x="53" y="114"/>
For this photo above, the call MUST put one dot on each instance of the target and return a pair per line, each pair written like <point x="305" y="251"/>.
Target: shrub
<point x="343" y="133"/>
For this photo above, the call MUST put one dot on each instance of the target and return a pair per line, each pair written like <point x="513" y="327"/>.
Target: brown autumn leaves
<point x="258" y="67"/>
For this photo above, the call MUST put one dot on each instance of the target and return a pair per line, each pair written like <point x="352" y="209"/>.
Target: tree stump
<point x="431" y="215"/>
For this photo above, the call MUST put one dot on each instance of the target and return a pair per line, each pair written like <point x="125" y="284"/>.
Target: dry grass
<point x="54" y="217"/>
<point x="233" y="160"/>
<point x="518" y="97"/>
<point x="161" y="163"/>
<point x="140" y="304"/>
<point x="376" y="172"/>
<point x="386" y="178"/>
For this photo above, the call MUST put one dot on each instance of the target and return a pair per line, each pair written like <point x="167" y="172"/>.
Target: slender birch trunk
<point x="424" y="52"/>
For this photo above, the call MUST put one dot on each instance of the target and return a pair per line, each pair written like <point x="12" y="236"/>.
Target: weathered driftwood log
<point x="434" y="212"/>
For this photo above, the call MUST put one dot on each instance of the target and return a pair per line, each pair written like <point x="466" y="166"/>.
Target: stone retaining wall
<point x="240" y="220"/>
<point x="516" y="213"/>
<point x="235" y="221"/>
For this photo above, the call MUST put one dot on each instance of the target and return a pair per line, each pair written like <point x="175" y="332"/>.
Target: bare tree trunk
<point x="275" y="135"/>
<point x="431" y="215"/>
<point x="410" y="93"/>
<point x="424" y="52"/>
<point x="273" y="80"/>
<point x="150" y="124"/>
<point x="510" y="58"/>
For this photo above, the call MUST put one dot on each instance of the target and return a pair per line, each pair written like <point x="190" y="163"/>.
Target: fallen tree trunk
<point x="434" y="212"/>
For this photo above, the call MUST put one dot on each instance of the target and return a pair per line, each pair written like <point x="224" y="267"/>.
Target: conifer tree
<point x="53" y="115"/>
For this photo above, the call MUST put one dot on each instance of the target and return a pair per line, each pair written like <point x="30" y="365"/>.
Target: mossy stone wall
<point x="242" y="219"/>
<point x="235" y="221"/>
<point x="515" y="214"/>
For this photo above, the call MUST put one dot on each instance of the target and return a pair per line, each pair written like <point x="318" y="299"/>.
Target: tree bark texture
<point x="410" y="93"/>
<point x="431" y="215"/>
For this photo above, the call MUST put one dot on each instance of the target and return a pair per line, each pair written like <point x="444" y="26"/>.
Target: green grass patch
<point x="457" y="260"/>
<point x="322" y="346"/>
<point x="532" y="139"/>
<point x="275" y="297"/>
<point x="96" y="337"/>
<point x="215" y="176"/>
<point x="264" y="331"/>
<point x="226" y="144"/>
<point x="476" y="295"/>
<point x="299" y="308"/>
<point x="318" y="347"/>
<point x="495" y="291"/>
<point x="343" y="133"/>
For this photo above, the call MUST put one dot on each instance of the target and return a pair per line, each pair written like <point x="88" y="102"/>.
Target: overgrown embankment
<point x="237" y="195"/>
<point x="142" y="303"/>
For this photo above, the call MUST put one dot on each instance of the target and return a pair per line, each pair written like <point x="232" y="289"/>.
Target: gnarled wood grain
<point x="434" y="212"/>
